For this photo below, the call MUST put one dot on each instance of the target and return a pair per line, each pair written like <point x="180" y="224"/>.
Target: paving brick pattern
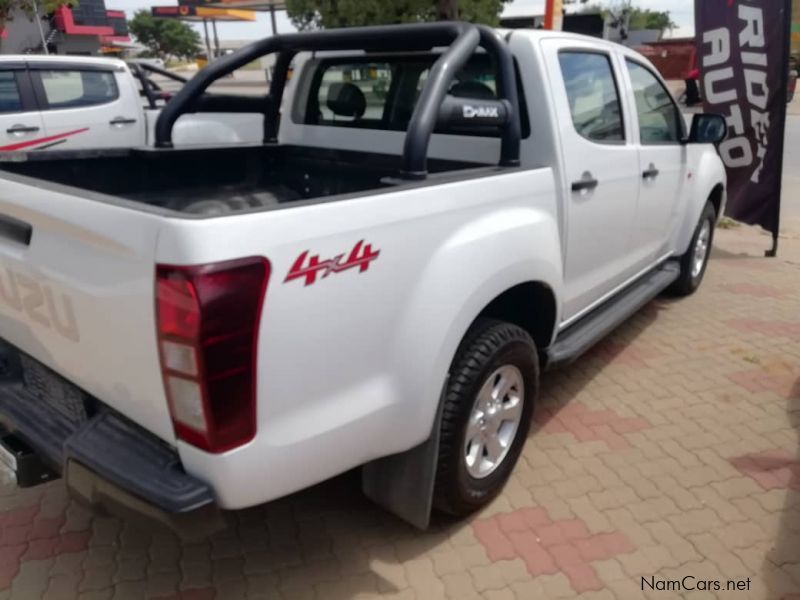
<point x="669" y="451"/>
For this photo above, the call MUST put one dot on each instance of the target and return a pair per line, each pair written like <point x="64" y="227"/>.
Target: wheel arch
<point x="530" y="305"/>
<point x="403" y="483"/>
<point x="717" y="199"/>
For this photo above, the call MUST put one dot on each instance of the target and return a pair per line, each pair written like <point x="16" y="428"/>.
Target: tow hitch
<point x="28" y="468"/>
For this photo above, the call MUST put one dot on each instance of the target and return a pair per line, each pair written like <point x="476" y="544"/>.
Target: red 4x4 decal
<point x="360" y="256"/>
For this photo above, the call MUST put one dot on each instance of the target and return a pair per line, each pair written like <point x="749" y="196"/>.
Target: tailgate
<point x="76" y="293"/>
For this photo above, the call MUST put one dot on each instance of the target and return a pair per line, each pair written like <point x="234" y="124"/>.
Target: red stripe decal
<point x="29" y="143"/>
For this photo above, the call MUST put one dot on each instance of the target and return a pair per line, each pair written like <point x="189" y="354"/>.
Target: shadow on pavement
<point x="782" y="471"/>
<point x="561" y="386"/>
<point x="330" y="537"/>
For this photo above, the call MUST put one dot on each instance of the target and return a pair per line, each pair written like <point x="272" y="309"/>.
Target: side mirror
<point x="708" y="129"/>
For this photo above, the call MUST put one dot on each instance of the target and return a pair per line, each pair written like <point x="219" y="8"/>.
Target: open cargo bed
<point x="216" y="181"/>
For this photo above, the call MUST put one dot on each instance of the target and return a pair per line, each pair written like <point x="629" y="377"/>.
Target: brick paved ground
<point x="670" y="450"/>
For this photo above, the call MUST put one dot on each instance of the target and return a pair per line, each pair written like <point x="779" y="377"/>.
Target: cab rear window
<point x="382" y="93"/>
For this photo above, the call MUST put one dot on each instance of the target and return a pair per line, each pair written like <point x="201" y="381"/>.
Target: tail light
<point x="208" y="319"/>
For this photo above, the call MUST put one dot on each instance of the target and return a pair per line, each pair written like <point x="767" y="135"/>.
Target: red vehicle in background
<point x="676" y="59"/>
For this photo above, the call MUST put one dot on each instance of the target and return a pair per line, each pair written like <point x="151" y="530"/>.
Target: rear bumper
<point x="109" y="461"/>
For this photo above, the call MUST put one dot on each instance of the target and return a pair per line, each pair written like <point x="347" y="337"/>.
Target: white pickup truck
<point x="441" y="212"/>
<point x="78" y="102"/>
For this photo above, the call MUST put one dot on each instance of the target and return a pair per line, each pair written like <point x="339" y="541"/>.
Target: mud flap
<point x="403" y="483"/>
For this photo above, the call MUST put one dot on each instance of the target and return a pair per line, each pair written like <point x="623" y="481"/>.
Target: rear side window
<point x="75" y="89"/>
<point x="593" y="96"/>
<point x="659" y="118"/>
<point x="10" y="100"/>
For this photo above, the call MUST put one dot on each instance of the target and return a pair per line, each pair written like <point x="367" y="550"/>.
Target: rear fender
<point x="476" y="265"/>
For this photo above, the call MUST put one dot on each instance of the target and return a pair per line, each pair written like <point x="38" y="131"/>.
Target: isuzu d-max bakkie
<point x="74" y="102"/>
<point x="436" y="214"/>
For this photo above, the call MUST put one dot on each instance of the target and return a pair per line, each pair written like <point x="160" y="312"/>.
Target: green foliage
<point x="49" y="6"/>
<point x="164" y="38"/>
<point x="651" y="19"/>
<point x="640" y="18"/>
<point x="7" y="7"/>
<point x="43" y="7"/>
<point x="315" y="14"/>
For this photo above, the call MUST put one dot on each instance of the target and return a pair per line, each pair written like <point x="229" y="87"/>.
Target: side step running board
<point x="584" y="334"/>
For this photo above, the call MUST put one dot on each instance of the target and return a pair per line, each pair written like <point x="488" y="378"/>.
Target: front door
<point x="662" y="162"/>
<point x="601" y="173"/>
<point x="20" y="122"/>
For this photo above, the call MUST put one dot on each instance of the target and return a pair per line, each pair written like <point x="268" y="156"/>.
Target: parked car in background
<point x="379" y="284"/>
<point x="154" y="62"/>
<point x="76" y="102"/>
<point x="792" y="79"/>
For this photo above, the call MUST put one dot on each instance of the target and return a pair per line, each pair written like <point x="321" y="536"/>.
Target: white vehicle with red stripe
<point x="437" y="213"/>
<point x="76" y="102"/>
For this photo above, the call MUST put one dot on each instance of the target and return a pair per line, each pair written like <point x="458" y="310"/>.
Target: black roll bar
<point x="462" y="39"/>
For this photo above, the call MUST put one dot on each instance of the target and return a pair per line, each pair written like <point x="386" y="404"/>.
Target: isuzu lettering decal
<point x="39" y="303"/>
<point x="304" y="267"/>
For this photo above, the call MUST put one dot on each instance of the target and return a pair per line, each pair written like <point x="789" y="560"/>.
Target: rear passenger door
<point x="20" y="122"/>
<point x="600" y="172"/>
<point x="85" y="107"/>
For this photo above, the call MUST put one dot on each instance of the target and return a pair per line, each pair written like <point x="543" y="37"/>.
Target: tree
<point x="315" y="14"/>
<point x="651" y="19"/>
<point x="29" y="8"/>
<point x="164" y="38"/>
<point x="7" y="9"/>
<point x="623" y="11"/>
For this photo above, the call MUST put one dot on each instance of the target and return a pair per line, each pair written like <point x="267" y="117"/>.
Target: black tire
<point x="488" y="346"/>
<point x="688" y="281"/>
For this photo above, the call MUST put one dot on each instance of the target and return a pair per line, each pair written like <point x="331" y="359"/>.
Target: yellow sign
<point x="795" y="27"/>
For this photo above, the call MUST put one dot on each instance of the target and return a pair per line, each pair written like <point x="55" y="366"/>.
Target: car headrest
<point x="347" y="100"/>
<point x="472" y="89"/>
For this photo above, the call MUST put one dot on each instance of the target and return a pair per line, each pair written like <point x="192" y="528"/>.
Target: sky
<point x="682" y="12"/>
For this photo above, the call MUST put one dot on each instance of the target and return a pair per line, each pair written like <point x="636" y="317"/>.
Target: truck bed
<point x="217" y="181"/>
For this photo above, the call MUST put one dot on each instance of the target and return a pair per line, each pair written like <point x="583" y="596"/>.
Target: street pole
<point x="39" y="23"/>
<point x="208" y="41"/>
<point x="216" y="37"/>
<point x="554" y="15"/>
<point x="787" y="51"/>
<point x="272" y="18"/>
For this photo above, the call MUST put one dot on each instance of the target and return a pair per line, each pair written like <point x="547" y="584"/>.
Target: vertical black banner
<point x="743" y="51"/>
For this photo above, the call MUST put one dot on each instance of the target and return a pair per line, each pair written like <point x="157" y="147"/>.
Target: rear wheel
<point x="694" y="263"/>
<point x="486" y="415"/>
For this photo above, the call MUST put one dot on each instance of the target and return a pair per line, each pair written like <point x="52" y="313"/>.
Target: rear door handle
<point x="651" y="172"/>
<point x="22" y="129"/>
<point x="586" y="183"/>
<point x="121" y="121"/>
